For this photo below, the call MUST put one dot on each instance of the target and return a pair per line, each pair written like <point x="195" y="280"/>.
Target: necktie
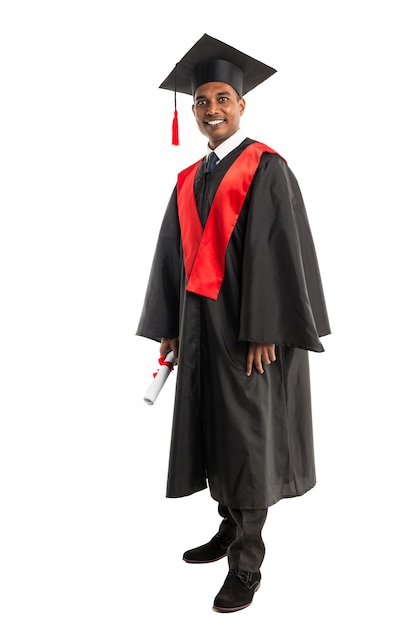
<point x="209" y="167"/>
<point x="211" y="161"/>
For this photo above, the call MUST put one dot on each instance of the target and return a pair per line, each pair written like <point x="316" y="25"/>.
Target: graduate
<point x="235" y="292"/>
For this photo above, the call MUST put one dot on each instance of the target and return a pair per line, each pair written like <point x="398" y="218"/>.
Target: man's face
<point x="217" y="109"/>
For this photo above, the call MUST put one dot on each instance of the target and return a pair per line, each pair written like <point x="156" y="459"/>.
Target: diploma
<point x="160" y="377"/>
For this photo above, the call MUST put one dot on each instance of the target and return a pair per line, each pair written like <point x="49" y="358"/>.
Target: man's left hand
<point x="259" y="354"/>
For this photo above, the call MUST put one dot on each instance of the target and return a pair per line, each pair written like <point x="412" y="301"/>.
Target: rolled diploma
<point x="159" y="380"/>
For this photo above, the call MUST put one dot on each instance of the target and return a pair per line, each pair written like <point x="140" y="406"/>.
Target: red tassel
<point x="175" y="135"/>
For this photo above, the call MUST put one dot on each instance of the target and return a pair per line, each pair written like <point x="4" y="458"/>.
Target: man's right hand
<point x="168" y="344"/>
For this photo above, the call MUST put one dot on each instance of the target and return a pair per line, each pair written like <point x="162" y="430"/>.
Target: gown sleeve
<point x="160" y="312"/>
<point x="282" y="294"/>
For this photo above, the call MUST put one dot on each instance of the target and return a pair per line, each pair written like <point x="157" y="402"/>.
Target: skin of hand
<point x="259" y="353"/>
<point x="168" y="344"/>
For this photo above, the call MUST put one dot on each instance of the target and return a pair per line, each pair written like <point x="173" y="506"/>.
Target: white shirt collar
<point x="228" y="145"/>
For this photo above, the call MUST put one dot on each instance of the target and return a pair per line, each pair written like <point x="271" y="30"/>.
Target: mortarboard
<point x="211" y="60"/>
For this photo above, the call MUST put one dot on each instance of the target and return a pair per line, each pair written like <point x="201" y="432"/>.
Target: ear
<point x="242" y="105"/>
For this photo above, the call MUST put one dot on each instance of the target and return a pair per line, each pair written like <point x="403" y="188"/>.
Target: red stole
<point x="205" y="249"/>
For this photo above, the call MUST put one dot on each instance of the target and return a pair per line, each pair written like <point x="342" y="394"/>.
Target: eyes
<point x="202" y="102"/>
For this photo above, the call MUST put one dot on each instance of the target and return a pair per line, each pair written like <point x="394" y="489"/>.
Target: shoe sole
<point x="222" y="609"/>
<point x="200" y="562"/>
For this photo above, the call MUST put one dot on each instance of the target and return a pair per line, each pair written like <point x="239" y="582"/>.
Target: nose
<point x="212" y="107"/>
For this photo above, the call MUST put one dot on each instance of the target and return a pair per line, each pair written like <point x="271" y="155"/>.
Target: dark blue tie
<point x="204" y="208"/>
<point x="211" y="161"/>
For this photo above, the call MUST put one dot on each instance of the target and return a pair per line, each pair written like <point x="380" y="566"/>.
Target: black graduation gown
<point x="250" y="439"/>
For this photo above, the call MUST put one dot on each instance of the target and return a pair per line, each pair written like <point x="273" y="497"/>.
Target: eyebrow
<point x="219" y="93"/>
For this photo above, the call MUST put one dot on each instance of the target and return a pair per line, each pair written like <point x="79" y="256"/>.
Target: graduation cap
<point x="211" y="60"/>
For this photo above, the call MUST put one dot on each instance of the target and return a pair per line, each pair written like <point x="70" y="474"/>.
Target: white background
<point x="87" y="535"/>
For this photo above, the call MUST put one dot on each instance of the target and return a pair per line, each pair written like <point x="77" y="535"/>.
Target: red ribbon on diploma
<point x="162" y="361"/>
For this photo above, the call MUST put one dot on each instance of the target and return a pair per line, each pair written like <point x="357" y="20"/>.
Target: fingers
<point x="250" y="359"/>
<point x="168" y="344"/>
<point x="259" y="354"/>
<point x="271" y="352"/>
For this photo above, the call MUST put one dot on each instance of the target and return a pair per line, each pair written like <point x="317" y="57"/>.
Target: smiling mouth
<point x="215" y="122"/>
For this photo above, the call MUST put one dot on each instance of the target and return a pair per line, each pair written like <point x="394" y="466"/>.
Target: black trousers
<point x="243" y="527"/>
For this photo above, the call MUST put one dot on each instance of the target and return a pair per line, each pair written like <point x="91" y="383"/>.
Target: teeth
<point x="215" y="122"/>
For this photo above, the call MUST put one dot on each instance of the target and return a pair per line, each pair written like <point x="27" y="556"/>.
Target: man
<point x="235" y="292"/>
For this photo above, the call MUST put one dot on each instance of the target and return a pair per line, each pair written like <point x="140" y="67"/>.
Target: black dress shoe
<point x="237" y="591"/>
<point x="212" y="551"/>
